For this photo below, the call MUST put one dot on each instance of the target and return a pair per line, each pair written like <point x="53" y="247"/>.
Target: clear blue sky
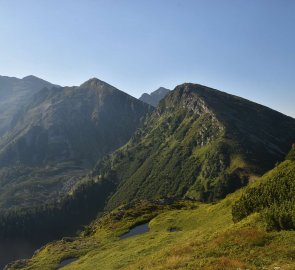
<point x="244" y="47"/>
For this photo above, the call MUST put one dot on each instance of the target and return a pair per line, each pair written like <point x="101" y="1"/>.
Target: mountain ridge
<point x="215" y="146"/>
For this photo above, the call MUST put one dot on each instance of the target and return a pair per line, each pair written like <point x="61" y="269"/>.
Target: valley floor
<point x="182" y="235"/>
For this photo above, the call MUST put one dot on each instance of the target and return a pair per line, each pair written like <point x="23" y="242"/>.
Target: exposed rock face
<point x="155" y="97"/>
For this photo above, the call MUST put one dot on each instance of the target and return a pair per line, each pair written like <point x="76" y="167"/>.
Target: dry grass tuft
<point x="226" y="263"/>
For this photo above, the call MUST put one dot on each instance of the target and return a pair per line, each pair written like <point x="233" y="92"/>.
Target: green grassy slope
<point x="204" y="237"/>
<point x="273" y="196"/>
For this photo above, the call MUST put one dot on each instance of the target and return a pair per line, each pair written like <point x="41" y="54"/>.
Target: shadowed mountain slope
<point x="60" y="135"/>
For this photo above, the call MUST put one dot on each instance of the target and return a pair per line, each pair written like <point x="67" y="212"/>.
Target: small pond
<point x="140" y="229"/>
<point x="66" y="262"/>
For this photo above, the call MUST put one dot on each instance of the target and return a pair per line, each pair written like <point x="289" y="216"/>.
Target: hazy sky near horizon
<point x="243" y="47"/>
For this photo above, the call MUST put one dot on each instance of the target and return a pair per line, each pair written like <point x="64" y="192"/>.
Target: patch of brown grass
<point x="243" y="236"/>
<point x="183" y="250"/>
<point x="226" y="263"/>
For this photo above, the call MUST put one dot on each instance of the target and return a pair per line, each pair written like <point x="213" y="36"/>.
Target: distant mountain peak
<point x="154" y="97"/>
<point x="94" y="82"/>
<point x="100" y="86"/>
<point x="35" y="79"/>
<point x="30" y="77"/>
<point x="160" y="89"/>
